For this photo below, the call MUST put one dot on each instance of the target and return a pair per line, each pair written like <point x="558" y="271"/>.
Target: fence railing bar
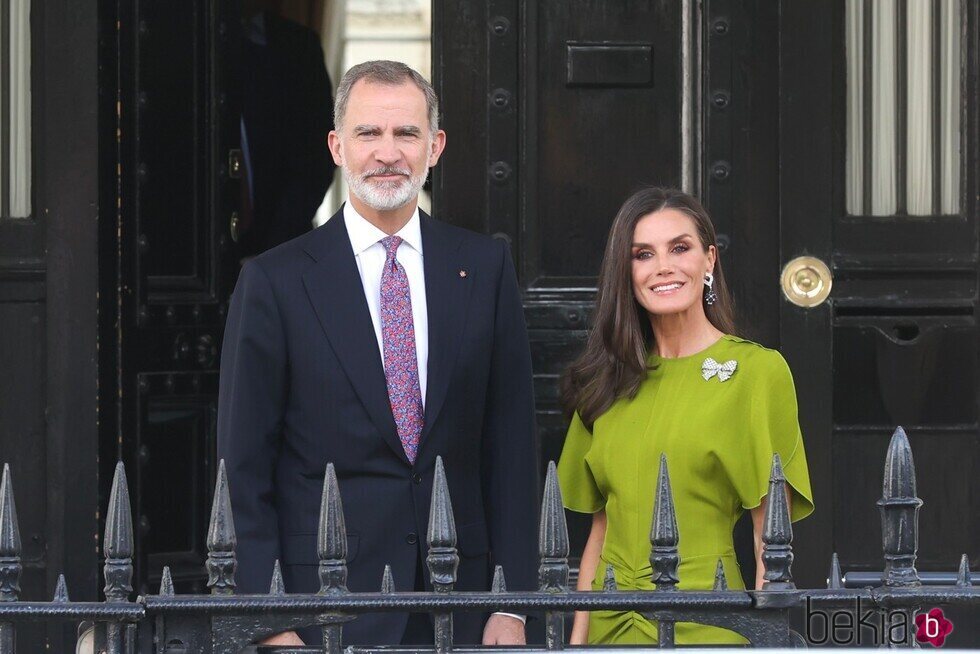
<point x="932" y="579"/>
<point x="71" y="611"/>
<point x="466" y="601"/>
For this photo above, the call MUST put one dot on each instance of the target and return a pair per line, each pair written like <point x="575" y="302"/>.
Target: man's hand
<point x="503" y="630"/>
<point x="285" y="638"/>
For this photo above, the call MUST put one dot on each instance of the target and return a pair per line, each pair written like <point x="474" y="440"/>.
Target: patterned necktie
<point x="398" y="343"/>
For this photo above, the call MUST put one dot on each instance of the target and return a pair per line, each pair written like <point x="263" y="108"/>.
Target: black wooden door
<point x="555" y="111"/>
<point x="897" y="342"/>
<point x="168" y="268"/>
<point x="48" y="310"/>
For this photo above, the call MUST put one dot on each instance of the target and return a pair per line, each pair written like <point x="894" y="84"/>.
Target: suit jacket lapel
<point x="335" y="290"/>
<point x="447" y="294"/>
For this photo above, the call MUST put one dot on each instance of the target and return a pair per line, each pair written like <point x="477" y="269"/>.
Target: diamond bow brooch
<point x="710" y="368"/>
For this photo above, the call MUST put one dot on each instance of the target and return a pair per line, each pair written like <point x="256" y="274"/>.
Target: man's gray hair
<point x="388" y="73"/>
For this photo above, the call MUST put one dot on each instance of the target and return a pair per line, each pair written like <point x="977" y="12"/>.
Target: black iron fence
<point x="224" y="622"/>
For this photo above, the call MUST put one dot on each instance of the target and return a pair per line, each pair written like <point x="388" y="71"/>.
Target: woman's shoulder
<point x="755" y="359"/>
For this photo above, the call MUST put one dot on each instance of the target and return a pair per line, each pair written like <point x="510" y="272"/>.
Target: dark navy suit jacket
<point x="302" y="384"/>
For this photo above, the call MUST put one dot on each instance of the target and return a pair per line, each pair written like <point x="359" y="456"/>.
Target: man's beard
<point x="387" y="195"/>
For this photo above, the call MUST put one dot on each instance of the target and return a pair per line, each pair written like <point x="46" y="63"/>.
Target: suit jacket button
<point x="411" y="539"/>
<point x="417" y="478"/>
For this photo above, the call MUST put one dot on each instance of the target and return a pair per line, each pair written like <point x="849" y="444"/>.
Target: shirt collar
<point x="363" y="234"/>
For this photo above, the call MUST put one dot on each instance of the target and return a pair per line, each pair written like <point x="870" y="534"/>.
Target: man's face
<point x="384" y="147"/>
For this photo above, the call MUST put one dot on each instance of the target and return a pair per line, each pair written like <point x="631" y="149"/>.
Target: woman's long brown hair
<point x="614" y="362"/>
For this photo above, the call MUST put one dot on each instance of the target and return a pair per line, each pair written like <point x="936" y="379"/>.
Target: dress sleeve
<point x="773" y="427"/>
<point x="579" y="490"/>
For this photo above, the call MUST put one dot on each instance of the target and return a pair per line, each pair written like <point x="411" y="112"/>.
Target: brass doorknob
<point x="806" y="281"/>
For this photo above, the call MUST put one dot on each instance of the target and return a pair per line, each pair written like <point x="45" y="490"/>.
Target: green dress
<point x="719" y="438"/>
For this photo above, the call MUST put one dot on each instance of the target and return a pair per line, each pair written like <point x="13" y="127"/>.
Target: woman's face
<point x="669" y="263"/>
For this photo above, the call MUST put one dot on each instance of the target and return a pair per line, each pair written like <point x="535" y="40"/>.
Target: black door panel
<point x="173" y="272"/>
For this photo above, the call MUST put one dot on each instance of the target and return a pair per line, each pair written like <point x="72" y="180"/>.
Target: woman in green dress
<point x="662" y="373"/>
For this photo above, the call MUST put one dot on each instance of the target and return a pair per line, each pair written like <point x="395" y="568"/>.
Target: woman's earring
<point x="709" y="292"/>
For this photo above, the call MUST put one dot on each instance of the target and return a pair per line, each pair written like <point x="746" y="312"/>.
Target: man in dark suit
<point x="286" y="114"/>
<point x="376" y="342"/>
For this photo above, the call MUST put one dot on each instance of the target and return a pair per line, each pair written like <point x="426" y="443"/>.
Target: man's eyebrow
<point x="366" y="129"/>
<point x="408" y="130"/>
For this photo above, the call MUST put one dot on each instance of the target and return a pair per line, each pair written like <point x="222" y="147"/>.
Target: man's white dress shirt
<point x="365" y="240"/>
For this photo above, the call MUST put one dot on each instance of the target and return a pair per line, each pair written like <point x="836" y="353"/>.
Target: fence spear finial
<point x="609" y="582"/>
<point x="777" y="534"/>
<point x="221" y="541"/>
<point x="61" y="590"/>
<point x="443" y="559"/>
<point x="166" y="583"/>
<point x="10" y="545"/>
<point x="899" y="507"/>
<point x="331" y="542"/>
<point x="118" y="569"/>
<point x="721" y="583"/>
<point x="553" y="549"/>
<point x="276" y="587"/>
<point x="331" y="549"/>
<point x="553" y="536"/>
<point x="664" y="536"/>
<point x="963" y="576"/>
<point x="499" y="584"/>
<point x="835" y="580"/>
<point x="387" y="581"/>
